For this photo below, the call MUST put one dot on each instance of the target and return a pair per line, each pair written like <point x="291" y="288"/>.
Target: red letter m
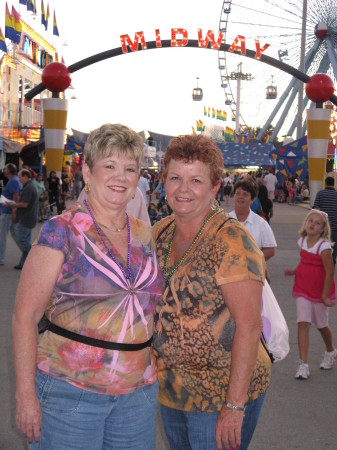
<point x="125" y="40"/>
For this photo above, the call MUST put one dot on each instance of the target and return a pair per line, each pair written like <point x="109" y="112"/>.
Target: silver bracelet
<point x="234" y="407"/>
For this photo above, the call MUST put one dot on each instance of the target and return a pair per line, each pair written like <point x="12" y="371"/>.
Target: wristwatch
<point x="234" y="407"/>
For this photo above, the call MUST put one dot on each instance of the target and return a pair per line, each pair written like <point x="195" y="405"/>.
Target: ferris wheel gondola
<point x="197" y="93"/>
<point x="271" y="91"/>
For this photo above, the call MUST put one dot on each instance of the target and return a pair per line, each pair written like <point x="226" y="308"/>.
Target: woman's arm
<point x="243" y="300"/>
<point x="329" y="275"/>
<point x="36" y="285"/>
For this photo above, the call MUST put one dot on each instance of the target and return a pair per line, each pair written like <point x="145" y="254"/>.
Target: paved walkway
<point x="296" y="415"/>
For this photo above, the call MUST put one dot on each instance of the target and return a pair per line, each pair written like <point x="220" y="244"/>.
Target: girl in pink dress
<point x="314" y="288"/>
<point x="291" y="192"/>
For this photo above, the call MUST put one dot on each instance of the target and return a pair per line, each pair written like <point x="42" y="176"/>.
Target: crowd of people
<point x="127" y="315"/>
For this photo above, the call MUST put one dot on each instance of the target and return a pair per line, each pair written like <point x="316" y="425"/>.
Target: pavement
<point x="296" y="414"/>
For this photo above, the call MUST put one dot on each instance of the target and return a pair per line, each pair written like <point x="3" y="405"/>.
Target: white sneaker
<point x="302" y="372"/>
<point x="329" y="359"/>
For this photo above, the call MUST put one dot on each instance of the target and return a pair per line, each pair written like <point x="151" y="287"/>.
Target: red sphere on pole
<point x="56" y="77"/>
<point x="319" y="88"/>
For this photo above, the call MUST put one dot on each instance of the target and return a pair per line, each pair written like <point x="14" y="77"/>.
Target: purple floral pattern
<point x="92" y="297"/>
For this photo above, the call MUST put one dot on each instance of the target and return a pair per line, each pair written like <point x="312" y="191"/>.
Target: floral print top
<point x="93" y="298"/>
<point x="194" y="328"/>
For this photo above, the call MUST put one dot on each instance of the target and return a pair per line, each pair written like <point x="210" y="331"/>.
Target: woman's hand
<point x="28" y="416"/>
<point x="228" y="428"/>
<point x="289" y="272"/>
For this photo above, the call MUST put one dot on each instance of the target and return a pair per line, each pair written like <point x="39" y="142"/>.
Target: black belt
<point x="46" y="325"/>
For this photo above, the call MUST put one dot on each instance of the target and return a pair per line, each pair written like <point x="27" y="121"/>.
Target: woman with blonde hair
<point x="89" y="379"/>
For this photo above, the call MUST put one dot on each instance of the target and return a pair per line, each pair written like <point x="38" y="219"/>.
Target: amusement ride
<point x="273" y="95"/>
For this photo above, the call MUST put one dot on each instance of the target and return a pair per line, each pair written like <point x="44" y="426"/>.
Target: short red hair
<point x="195" y="147"/>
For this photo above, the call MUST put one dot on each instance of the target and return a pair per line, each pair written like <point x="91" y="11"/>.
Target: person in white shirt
<point x="270" y="182"/>
<point x="244" y="193"/>
<point x="144" y="186"/>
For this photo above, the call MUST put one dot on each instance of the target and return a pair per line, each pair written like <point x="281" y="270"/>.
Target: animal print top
<point x="194" y="329"/>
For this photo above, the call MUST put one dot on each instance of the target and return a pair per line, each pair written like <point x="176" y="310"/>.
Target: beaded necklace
<point x="169" y="273"/>
<point x="127" y="271"/>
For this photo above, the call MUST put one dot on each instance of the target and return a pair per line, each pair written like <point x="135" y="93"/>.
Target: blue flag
<point x="55" y="29"/>
<point x="30" y="5"/>
<point x="3" y="45"/>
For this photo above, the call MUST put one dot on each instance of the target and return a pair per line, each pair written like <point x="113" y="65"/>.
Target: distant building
<point x="20" y="70"/>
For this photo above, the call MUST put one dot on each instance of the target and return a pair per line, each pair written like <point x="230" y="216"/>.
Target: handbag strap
<point x="264" y="344"/>
<point x="46" y="325"/>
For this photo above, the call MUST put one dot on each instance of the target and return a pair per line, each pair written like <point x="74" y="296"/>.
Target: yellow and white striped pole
<point x="318" y="130"/>
<point x="55" y="112"/>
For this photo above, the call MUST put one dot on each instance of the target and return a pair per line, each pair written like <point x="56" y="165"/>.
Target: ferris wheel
<point x="271" y="96"/>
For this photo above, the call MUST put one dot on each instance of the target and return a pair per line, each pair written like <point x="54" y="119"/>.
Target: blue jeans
<point x="75" y="419"/>
<point x="196" y="431"/>
<point x="6" y="224"/>
<point x="23" y="239"/>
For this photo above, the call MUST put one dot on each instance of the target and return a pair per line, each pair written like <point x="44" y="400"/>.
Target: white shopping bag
<point x="275" y="328"/>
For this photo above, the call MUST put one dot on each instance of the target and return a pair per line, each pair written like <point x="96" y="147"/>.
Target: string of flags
<point x="215" y="113"/>
<point x="13" y="25"/>
<point x="229" y="134"/>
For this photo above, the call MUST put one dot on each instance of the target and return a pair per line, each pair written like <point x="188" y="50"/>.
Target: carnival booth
<point x="292" y="160"/>
<point x="242" y="155"/>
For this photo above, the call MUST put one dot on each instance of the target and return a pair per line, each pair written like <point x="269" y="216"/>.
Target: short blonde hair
<point x="326" y="233"/>
<point x="111" y="139"/>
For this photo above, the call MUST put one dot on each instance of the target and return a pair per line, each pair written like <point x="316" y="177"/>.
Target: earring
<point x="87" y="188"/>
<point x="214" y="204"/>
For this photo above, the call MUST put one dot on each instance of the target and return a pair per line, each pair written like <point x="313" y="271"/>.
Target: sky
<point x="146" y="90"/>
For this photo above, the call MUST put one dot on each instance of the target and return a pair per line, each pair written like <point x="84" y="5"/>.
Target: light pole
<point x="238" y="76"/>
<point x="302" y="68"/>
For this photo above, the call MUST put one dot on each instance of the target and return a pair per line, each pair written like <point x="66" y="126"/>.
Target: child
<point x="290" y="186"/>
<point x="314" y="288"/>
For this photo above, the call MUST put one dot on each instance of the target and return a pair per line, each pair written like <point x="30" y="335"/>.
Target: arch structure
<point x="139" y="44"/>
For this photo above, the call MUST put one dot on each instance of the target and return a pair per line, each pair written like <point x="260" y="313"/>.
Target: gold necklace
<point x="115" y="230"/>
<point x="168" y="274"/>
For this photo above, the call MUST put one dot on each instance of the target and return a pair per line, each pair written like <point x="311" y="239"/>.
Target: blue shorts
<point x="75" y="419"/>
